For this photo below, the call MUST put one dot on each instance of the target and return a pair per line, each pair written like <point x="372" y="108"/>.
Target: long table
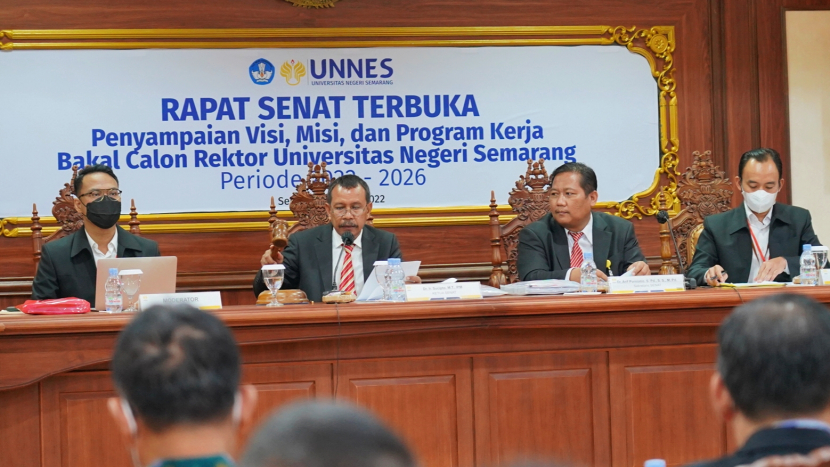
<point x="596" y="380"/>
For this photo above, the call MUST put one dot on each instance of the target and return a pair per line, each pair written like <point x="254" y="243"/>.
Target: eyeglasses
<point x="355" y="210"/>
<point x="95" y="194"/>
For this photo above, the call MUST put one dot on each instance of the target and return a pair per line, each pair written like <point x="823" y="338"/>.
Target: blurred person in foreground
<point x="176" y="371"/>
<point x="772" y="383"/>
<point x="324" y="434"/>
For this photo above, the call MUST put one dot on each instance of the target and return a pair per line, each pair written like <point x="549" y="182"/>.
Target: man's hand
<point x="268" y="259"/>
<point x="715" y="276"/>
<point x="771" y="269"/>
<point x="412" y="280"/>
<point x="576" y="275"/>
<point x="640" y="268"/>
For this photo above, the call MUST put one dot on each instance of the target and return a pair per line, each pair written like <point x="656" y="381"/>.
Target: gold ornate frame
<point x="656" y="44"/>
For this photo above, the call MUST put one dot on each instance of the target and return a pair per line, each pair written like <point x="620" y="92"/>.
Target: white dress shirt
<point x="761" y="231"/>
<point x="357" y="259"/>
<point x="112" y="248"/>
<point x="586" y="242"/>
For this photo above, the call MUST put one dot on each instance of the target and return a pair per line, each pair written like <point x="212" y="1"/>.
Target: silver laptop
<point x="159" y="275"/>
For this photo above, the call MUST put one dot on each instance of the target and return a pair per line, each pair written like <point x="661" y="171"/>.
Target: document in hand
<point x="372" y="289"/>
<point x="541" y="287"/>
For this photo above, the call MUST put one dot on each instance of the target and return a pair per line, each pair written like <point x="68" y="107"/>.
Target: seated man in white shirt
<point x="68" y="267"/>
<point x="313" y="260"/>
<point x="760" y="240"/>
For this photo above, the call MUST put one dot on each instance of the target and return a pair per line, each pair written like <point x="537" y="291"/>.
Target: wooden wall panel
<point x="77" y="428"/>
<point x="20" y="425"/>
<point x="427" y="400"/>
<point x="550" y="406"/>
<point x="660" y="406"/>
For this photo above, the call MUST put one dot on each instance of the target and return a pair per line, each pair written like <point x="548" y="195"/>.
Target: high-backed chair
<point x="704" y="189"/>
<point x="68" y="218"/>
<point x="529" y="200"/>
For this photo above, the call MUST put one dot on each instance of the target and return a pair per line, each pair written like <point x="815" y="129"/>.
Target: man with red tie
<point x="342" y="253"/>
<point x="553" y="247"/>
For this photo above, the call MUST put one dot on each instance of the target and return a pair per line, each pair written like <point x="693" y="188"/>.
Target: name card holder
<point x="200" y="300"/>
<point x="825" y="277"/>
<point x="443" y="291"/>
<point x="643" y="284"/>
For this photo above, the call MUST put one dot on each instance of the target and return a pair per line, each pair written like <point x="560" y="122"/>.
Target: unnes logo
<point x="292" y="72"/>
<point x="346" y="68"/>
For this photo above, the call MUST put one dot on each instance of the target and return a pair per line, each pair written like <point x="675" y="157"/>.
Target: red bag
<point x="55" y="306"/>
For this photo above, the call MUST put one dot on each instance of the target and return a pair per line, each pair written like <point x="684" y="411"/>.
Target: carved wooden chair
<point x="529" y="200"/>
<point x="69" y="220"/>
<point x="704" y="189"/>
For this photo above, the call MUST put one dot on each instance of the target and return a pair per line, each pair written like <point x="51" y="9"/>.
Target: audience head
<point x="97" y="196"/>
<point x="573" y="192"/>
<point x="177" y="368"/>
<point x="348" y="204"/>
<point x="760" y="178"/>
<point x="774" y="360"/>
<point x="323" y="434"/>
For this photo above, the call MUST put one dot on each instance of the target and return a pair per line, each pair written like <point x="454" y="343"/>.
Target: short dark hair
<point x="79" y="179"/>
<point x="761" y="155"/>
<point x="325" y="434"/>
<point x="349" y="181"/>
<point x="587" y="177"/>
<point x="774" y="356"/>
<point x="177" y="364"/>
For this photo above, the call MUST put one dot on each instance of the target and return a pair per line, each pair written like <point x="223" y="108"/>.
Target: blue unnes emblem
<point x="262" y="71"/>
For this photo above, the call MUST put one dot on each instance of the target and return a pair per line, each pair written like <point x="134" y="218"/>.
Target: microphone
<point x="348" y="240"/>
<point x="663" y="217"/>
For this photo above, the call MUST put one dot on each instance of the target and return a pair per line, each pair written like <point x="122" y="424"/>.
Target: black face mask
<point x="104" y="212"/>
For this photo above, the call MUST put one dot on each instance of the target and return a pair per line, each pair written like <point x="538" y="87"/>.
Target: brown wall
<point x="731" y="77"/>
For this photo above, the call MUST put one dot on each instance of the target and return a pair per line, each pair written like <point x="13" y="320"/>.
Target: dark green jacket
<point x="67" y="267"/>
<point x="544" y="254"/>
<point x="308" y="260"/>
<point x="726" y="241"/>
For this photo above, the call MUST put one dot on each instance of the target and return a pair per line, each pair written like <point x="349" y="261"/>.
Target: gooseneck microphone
<point x="348" y="240"/>
<point x="663" y="217"/>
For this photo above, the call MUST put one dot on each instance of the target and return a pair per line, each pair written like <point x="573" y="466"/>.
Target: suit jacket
<point x="67" y="267"/>
<point x="544" y="254"/>
<point x="726" y="241"/>
<point x="308" y="259"/>
<point x="773" y="441"/>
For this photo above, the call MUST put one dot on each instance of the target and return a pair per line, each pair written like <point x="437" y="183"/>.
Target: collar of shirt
<point x="357" y="260"/>
<point x="337" y="241"/>
<point x="753" y="219"/>
<point x="210" y="461"/>
<point x="587" y="234"/>
<point x="803" y="423"/>
<point x="112" y="248"/>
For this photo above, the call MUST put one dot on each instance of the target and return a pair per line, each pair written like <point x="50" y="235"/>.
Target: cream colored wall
<point x="808" y="63"/>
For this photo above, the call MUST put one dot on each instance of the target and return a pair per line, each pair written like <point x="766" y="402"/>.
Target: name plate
<point x="642" y="284"/>
<point x="200" y="300"/>
<point x="442" y="291"/>
<point x="825" y="277"/>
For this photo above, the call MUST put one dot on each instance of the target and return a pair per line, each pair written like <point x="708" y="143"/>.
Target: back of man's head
<point x="325" y="435"/>
<point x="177" y="365"/>
<point x="774" y="357"/>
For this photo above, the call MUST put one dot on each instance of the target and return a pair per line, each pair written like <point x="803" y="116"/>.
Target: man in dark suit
<point x="553" y="247"/>
<point x="310" y="255"/>
<point x="760" y="240"/>
<point x="772" y="383"/>
<point x="68" y="267"/>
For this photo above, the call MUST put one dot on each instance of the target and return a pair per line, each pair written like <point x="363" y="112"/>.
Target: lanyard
<point x="756" y="247"/>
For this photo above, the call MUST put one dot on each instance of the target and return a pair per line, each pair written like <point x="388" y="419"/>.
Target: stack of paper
<point x="542" y="287"/>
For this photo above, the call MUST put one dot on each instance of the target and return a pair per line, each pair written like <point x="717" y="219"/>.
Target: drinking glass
<point x="380" y="275"/>
<point x="820" y="252"/>
<point x="130" y="283"/>
<point x="273" y="275"/>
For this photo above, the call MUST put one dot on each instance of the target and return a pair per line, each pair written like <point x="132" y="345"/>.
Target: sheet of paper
<point x="372" y="289"/>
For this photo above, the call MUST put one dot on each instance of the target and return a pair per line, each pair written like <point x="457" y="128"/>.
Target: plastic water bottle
<point x="808" y="266"/>
<point x="396" y="278"/>
<point x="655" y="463"/>
<point x="588" y="275"/>
<point x="113" y="292"/>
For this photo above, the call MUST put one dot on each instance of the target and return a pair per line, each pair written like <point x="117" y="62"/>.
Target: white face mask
<point x="759" y="201"/>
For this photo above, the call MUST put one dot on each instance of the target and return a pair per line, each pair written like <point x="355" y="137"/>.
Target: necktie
<point x="576" y="252"/>
<point x="347" y="273"/>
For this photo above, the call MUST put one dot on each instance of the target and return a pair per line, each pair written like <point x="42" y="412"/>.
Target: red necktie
<point x="347" y="273"/>
<point x="576" y="252"/>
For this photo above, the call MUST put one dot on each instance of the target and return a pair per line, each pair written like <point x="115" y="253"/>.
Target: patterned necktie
<point x="347" y="273"/>
<point x="576" y="252"/>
